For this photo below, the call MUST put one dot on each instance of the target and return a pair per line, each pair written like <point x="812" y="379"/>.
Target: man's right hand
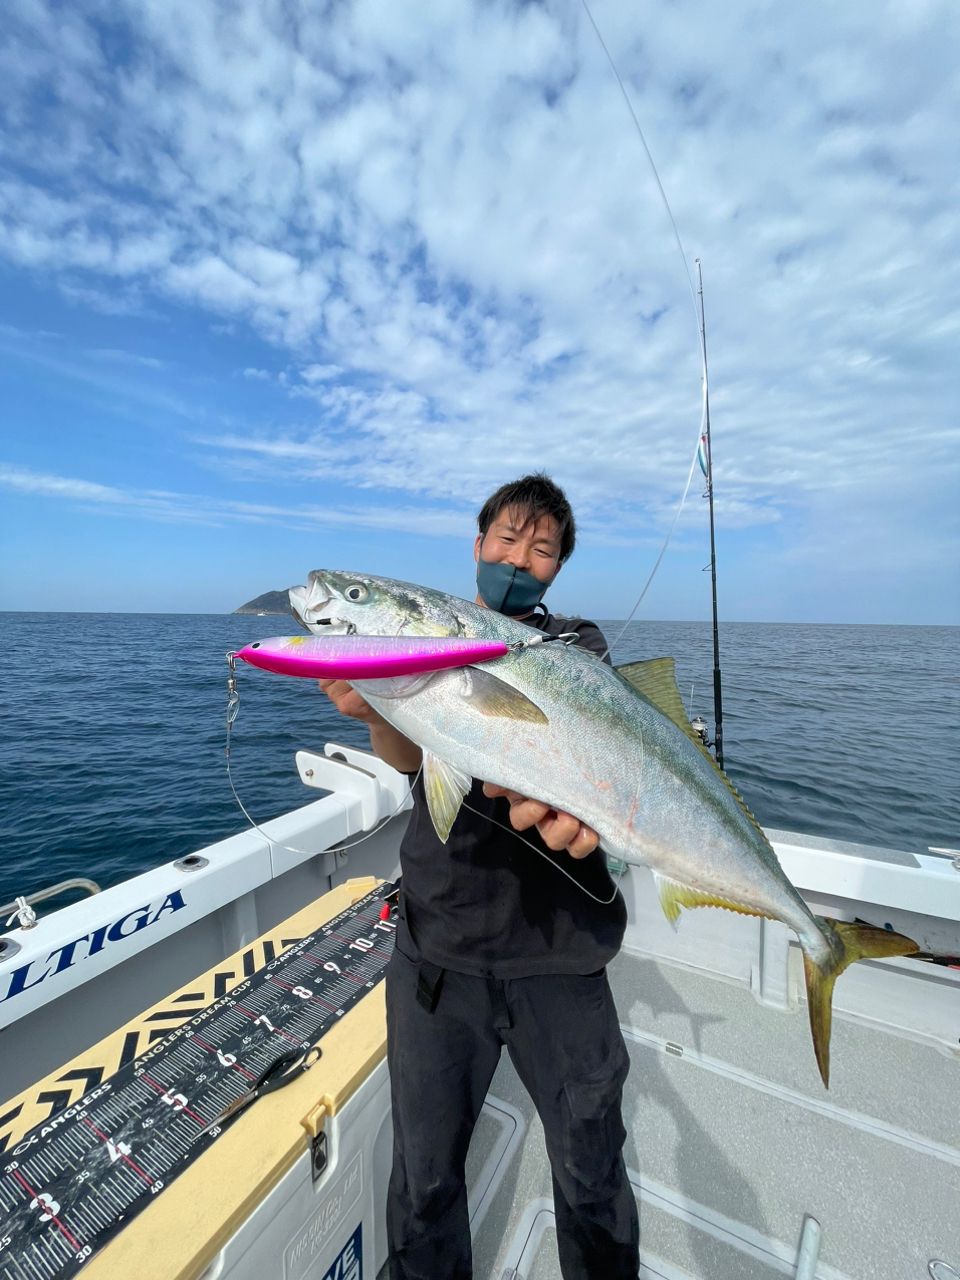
<point x="349" y="703"/>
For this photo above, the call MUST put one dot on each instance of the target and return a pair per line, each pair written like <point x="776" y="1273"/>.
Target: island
<point x="269" y="602"/>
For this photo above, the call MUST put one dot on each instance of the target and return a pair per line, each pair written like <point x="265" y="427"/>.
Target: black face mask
<point x="508" y="589"/>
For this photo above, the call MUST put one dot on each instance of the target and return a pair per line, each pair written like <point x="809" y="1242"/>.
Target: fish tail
<point x="847" y="944"/>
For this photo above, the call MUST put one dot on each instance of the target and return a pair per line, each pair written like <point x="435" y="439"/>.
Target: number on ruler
<point x="175" y="1100"/>
<point x="118" y="1150"/>
<point x="51" y="1207"/>
<point x="331" y="967"/>
<point x="363" y="944"/>
<point x="302" y="993"/>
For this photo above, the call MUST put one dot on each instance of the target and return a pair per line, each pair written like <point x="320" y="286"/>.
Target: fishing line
<point x="233" y="709"/>
<point x="693" y="298"/>
<point x="604" y="902"/>
<point x="653" y="167"/>
<point x="663" y="552"/>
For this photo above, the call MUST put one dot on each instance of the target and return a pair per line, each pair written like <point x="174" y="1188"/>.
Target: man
<point x="495" y="947"/>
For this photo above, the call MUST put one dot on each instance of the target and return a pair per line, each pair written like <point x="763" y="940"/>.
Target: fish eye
<point x="356" y="592"/>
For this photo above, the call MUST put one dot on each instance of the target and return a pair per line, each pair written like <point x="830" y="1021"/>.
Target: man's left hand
<point x="558" y="830"/>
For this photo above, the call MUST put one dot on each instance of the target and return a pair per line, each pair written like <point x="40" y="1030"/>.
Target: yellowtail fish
<point x="613" y="747"/>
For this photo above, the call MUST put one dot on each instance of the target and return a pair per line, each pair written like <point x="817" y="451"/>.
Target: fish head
<point x="335" y="602"/>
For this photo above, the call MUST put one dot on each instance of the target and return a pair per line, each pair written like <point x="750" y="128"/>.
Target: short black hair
<point x="533" y="496"/>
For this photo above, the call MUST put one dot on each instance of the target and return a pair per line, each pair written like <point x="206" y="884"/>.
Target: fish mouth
<point x="309" y="605"/>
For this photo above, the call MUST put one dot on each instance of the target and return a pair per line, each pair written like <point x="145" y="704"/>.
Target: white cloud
<point x="106" y="300"/>
<point x="114" y="379"/>
<point x="116" y="356"/>
<point x="186" y="508"/>
<point x="23" y="480"/>
<point x="320" y="372"/>
<point x="445" y="223"/>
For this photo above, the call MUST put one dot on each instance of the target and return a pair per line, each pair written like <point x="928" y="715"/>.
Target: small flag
<point x="702" y="453"/>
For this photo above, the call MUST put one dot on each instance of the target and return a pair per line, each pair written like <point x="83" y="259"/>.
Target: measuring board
<point x="71" y="1184"/>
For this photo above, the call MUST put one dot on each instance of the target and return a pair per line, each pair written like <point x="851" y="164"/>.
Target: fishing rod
<point x="707" y="465"/>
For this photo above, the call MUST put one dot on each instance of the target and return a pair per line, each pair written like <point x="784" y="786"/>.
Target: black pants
<point x="563" y="1037"/>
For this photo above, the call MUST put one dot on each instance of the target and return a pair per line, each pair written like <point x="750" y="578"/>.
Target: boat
<point x="744" y="1167"/>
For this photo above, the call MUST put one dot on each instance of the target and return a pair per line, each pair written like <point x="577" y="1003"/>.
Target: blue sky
<point x="285" y="287"/>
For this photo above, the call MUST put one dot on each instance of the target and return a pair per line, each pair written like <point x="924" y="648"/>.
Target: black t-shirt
<point x="486" y="903"/>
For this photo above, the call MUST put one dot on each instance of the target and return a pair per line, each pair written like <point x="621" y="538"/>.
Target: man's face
<point x="533" y="545"/>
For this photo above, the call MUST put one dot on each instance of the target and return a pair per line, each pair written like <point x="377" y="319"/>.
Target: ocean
<point x="112" y="752"/>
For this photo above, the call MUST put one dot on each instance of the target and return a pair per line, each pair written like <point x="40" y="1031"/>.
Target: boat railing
<point x="89" y="887"/>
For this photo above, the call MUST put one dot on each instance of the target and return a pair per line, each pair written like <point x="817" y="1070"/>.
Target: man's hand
<point x="558" y="830"/>
<point x="349" y="703"/>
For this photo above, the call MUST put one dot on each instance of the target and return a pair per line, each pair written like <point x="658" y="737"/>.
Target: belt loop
<point x="429" y="982"/>
<point x="498" y="1003"/>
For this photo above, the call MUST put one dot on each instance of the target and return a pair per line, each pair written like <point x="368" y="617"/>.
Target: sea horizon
<point x="237" y="613"/>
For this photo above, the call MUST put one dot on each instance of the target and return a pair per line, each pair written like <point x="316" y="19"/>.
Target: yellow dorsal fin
<point x="656" y="680"/>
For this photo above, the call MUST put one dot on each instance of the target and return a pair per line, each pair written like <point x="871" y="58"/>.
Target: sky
<point x="288" y="286"/>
